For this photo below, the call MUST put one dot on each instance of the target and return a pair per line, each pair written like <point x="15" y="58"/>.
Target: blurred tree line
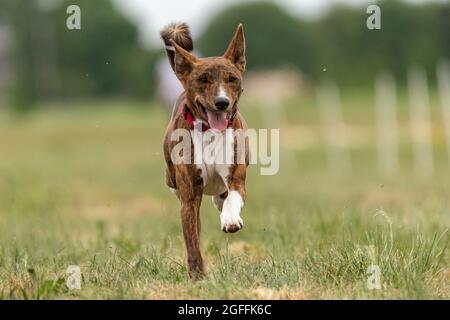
<point x="105" y="59"/>
<point x="102" y="59"/>
<point x="339" y="42"/>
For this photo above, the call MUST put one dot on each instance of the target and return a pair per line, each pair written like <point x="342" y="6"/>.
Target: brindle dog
<point x="212" y="87"/>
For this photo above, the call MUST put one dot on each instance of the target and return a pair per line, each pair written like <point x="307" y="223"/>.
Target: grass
<point x="85" y="186"/>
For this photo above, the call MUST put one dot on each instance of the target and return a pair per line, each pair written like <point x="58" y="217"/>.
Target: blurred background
<point x="328" y="80"/>
<point x="364" y="126"/>
<point x="115" y="53"/>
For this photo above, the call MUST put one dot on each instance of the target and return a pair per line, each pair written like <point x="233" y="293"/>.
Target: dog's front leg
<point x="230" y="217"/>
<point x="190" y="190"/>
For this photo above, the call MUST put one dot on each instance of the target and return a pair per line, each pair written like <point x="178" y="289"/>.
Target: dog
<point x="209" y="104"/>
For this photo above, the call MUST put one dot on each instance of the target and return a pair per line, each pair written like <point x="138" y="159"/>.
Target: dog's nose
<point x="222" y="103"/>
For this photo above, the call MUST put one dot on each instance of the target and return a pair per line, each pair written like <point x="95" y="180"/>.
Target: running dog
<point x="208" y="105"/>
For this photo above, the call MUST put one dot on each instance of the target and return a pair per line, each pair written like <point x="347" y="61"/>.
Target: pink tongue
<point x="217" y="120"/>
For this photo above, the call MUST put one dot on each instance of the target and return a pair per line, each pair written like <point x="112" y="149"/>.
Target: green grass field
<point x="85" y="186"/>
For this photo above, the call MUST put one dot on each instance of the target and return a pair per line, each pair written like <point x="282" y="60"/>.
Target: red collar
<point x="205" y="127"/>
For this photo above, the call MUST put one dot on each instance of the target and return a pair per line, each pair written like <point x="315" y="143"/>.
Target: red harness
<point x="190" y="118"/>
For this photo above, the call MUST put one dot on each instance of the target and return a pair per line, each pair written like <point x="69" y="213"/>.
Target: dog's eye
<point x="232" y="78"/>
<point x="203" y="79"/>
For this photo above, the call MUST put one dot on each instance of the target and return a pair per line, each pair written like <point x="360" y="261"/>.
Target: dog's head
<point x="213" y="85"/>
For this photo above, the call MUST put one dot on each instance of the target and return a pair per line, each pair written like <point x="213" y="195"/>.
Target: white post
<point x="386" y="122"/>
<point x="420" y="121"/>
<point x="333" y="126"/>
<point x="443" y="77"/>
<point x="274" y="117"/>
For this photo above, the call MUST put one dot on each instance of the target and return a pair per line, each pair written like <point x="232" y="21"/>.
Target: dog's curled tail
<point x="181" y="35"/>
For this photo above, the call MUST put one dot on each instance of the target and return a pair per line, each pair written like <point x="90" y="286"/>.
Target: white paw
<point x="231" y="223"/>
<point x="230" y="219"/>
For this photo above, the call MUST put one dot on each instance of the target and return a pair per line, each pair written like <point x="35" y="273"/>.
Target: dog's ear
<point x="236" y="49"/>
<point x="183" y="62"/>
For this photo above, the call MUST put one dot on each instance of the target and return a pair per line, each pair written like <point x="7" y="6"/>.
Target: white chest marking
<point x="213" y="156"/>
